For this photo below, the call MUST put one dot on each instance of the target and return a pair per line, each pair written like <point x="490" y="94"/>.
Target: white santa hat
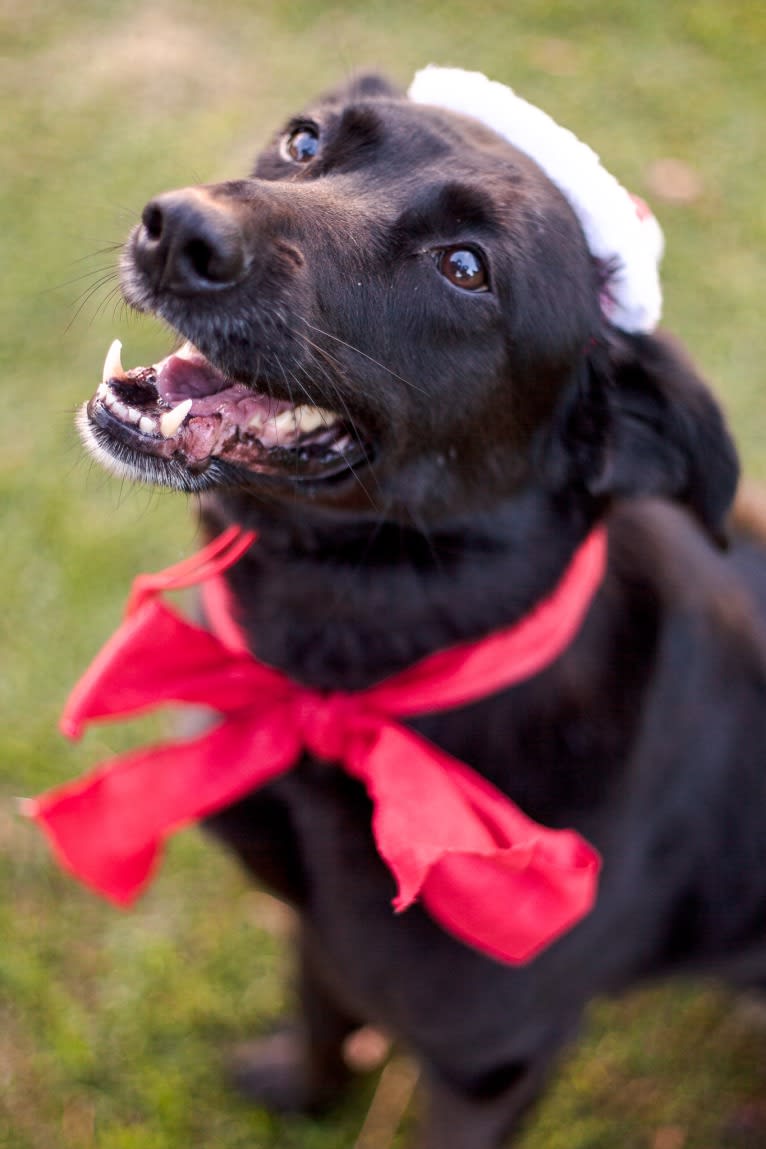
<point x="620" y="231"/>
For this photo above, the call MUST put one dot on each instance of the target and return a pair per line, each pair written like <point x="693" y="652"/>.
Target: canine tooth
<point x="309" y="418"/>
<point x="113" y="368"/>
<point x="172" y="420"/>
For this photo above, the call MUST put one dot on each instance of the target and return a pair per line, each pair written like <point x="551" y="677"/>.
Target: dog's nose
<point x="190" y="242"/>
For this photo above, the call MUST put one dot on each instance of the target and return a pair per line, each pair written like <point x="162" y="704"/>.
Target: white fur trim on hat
<point x="619" y="231"/>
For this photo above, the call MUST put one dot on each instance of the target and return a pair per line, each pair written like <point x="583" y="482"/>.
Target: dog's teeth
<point x="122" y="410"/>
<point x="113" y="368"/>
<point x="296" y="420"/>
<point x="186" y="351"/>
<point x="307" y="419"/>
<point x="172" y="420"/>
<point x="285" y="422"/>
<point x="127" y="414"/>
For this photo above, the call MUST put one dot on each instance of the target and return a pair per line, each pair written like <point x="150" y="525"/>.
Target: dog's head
<point x="397" y="312"/>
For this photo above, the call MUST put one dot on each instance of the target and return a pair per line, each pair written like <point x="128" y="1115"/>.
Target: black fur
<point x="503" y="423"/>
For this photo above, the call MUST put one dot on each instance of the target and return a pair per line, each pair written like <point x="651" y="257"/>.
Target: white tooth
<point x="285" y="421"/>
<point x="309" y="418"/>
<point x="147" y="425"/>
<point x="172" y="420"/>
<point x="113" y="368"/>
<point x="257" y="421"/>
<point x="186" y="351"/>
<point x="123" y="411"/>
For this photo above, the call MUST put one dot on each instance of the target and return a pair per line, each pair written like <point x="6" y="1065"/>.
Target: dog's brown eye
<point x="464" y="267"/>
<point x="301" y="145"/>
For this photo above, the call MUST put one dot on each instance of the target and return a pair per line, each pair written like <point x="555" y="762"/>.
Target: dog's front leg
<point x="486" y="1116"/>
<point x="300" y="1068"/>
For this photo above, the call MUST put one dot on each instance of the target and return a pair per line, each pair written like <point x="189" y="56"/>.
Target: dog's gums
<point x="177" y="420"/>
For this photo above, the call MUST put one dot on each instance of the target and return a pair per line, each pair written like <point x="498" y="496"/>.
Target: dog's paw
<point x="275" y="1073"/>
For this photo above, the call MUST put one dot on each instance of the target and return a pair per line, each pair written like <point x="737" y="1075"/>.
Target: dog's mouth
<point x="183" y="423"/>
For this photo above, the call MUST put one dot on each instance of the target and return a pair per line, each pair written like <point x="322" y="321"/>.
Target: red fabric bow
<point x="485" y="871"/>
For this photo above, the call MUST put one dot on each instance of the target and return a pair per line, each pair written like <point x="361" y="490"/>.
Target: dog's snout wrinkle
<point x="189" y="243"/>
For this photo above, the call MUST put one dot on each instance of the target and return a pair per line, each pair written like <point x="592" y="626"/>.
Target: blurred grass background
<point x="113" y="1026"/>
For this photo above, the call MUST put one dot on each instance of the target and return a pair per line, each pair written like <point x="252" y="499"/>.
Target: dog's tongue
<point x="186" y="374"/>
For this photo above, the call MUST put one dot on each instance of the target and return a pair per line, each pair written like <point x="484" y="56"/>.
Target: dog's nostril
<point x="208" y="263"/>
<point x="151" y="217"/>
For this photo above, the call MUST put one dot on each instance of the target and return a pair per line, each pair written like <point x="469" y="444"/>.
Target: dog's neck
<point x="339" y="604"/>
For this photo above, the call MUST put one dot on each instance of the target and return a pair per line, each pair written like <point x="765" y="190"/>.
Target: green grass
<point x="113" y="1027"/>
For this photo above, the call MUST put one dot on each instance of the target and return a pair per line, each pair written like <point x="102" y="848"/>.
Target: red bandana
<point x="483" y="870"/>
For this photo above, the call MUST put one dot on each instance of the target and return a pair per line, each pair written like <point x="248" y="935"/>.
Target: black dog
<point x="400" y="374"/>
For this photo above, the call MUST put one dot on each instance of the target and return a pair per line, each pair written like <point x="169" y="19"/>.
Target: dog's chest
<point x="401" y="970"/>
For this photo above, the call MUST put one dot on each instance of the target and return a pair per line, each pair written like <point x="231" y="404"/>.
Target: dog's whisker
<point x="112" y="295"/>
<point x="339" y="399"/>
<point x="119" y="309"/>
<point x="358" y="351"/>
<point x="107" y="270"/>
<point x="335" y="397"/>
<point x="105" y="277"/>
<point x="337" y="394"/>
<point x="352" y="469"/>
<point x="292" y="401"/>
<point x="85" y="299"/>
<point x="302" y="388"/>
<point x="358" y="480"/>
<point x="107" y="249"/>
<point x="328" y="378"/>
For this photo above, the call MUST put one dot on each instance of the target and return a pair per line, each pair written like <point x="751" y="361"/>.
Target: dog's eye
<point x="464" y="267"/>
<point x="301" y="145"/>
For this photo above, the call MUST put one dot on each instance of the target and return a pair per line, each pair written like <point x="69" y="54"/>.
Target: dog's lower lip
<point x="185" y="411"/>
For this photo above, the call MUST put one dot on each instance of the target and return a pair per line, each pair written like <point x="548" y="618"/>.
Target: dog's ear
<point x="363" y="86"/>
<point x="639" y="421"/>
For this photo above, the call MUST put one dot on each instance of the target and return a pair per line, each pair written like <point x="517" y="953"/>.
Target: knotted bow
<point x="483" y="870"/>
